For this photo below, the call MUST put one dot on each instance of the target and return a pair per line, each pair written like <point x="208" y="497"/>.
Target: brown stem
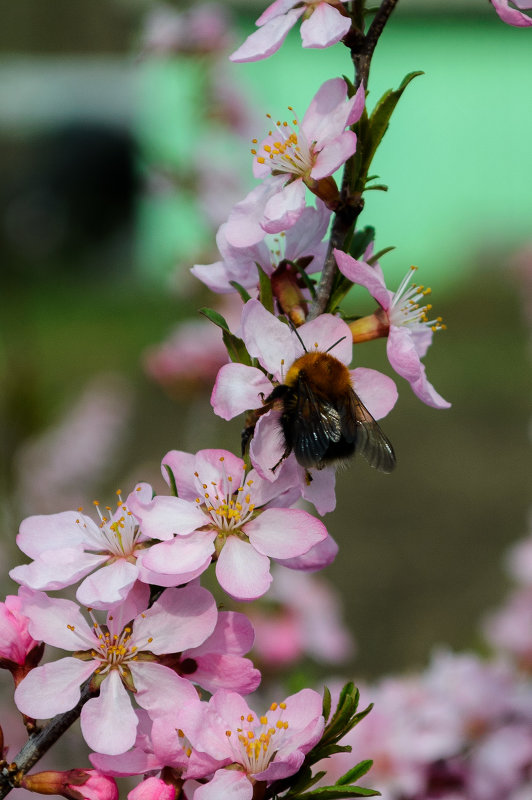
<point x="39" y="743"/>
<point x="351" y="202"/>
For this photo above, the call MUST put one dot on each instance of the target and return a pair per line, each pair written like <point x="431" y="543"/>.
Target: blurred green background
<point x="90" y="281"/>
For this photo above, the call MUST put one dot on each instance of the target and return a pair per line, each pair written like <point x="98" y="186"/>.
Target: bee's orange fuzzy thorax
<point x="325" y="373"/>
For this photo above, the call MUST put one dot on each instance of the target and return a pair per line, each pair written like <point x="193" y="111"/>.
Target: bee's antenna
<point x="297" y="334"/>
<point x="334" y="345"/>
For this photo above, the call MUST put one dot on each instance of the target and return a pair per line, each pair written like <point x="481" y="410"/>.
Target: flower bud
<point x="153" y="789"/>
<point x="287" y="291"/>
<point x="75" y="784"/>
<point x="19" y="652"/>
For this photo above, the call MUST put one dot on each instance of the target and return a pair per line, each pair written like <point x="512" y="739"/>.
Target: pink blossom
<point x="202" y="29"/>
<point x="16" y="643"/>
<point x="123" y="656"/>
<point x="324" y="23"/>
<point x="69" y="546"/>
<point x="305" y="620"/>
<point x="511" y="15"/>
<point x="509" y="629"/>
<point x="276" y="346"/>
<point x="223" y="512"/>
<point x="265" y="748"/>
<point x="290" y="161"/>
<point x="239" y="264"/>
<point x="152" y="789"/>
<point x="404" y="321"/>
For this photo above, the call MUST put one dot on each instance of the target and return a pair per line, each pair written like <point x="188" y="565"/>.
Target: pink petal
<point x="108" y="722"/>
<point x="159" y="688"/>
<point x="305" y="237"/>
<point x="55" y="569"/>
<point x="274" y="10"/>
<point x="237" y="389"/>
<point x="402" y="353"/>
<point x="284" y="532"/>
<point x="165" y="516"/>
<point x="226" y="784"/>
<point x="333" y="154"/>
<point x="358" y="104"/>
<point x="324" y="27"/>
<point x="361" y="273"/>
<point x="328" y="112"/>
<point x="134" y="604"/>
<point x="52" y="688"/>
<point x="321" y="493"/>
<point x="326" y="331"/>
<point x="134" y="762"/>
<point x="267" y="446"/>
<point x="243" y="227"/>
<point x="267" y="39"/>
<point x="510" y="15"/>
<point x="152" y="789"/>
<point x="427" y="393"/>
<point x="378" y="392"/>
<point x="241" y="571"/>
<point x="318" y="557"/>
<point x="214" y="276"/>
<point x="51" y="532"/>
<point x="233" y="634"/>
<point x="182" y="466"/>
<point x="223" y="671"/>
<point x="109" y="585"/>
<point x="181" y="555"/>
<point x="268" y="339"/>
<point x="213" y="466"/>
<point x="56" y="621"/>
<point x="178" y="620"/>
<point x="284" y="208"/>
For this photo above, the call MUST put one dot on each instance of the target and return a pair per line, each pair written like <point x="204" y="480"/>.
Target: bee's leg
<point x="308" y="477"/>
<point x="287" y="451"/>
<point x="251" y="420"/>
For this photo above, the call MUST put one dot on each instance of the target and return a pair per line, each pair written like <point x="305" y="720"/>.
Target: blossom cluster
<point x="159" y="672"/>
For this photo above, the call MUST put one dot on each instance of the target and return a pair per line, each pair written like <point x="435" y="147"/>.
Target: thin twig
<point x="351" y="201"/>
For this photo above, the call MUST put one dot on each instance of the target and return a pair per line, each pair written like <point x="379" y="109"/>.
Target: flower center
<point x="227" y="507"/>
<point x="407" y="307"/>
<point x="285" y="150"/>
<point x="118" y="531"/>
<point x="256" y="742"/>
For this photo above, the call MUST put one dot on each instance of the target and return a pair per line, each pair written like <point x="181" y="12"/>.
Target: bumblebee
<point x="323" y="420"/>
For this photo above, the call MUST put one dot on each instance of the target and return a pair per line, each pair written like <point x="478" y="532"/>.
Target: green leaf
<point x="377" y="187"/>
<point x="374" y="258"/>
<point x="326" y="708"/>
<point x="361" y="240"/>
<point x="355" y="773"/>
<point x="265" y="290"/>
<point x="337" y="793"/>
<point x="235" y="346"/>
<point x="171" y="478"/>
<point x="371" y="130"/>
<point x="244" y="294"/>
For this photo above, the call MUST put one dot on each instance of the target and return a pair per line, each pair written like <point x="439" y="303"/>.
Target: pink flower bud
<point x="152" y="789"/>
<point x="75" y="784"/>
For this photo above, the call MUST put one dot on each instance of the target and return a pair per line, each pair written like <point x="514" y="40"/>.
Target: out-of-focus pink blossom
<point x="509" y="629"/>
<point x="324" y="23"/>
<point x="404" y="320"/>
<point x="239" y="264"/>
<point x="305" y="621"/>
<point x="122" y="658"/>
<point x="511" y="14"/>
<point x="293" y="157"/>
<point x="77" y="451"/>
<point x="222" y="511"/>
<point x="204" y="28"/>
<point x="519" y="561"/>
<point x="255" y="749"/>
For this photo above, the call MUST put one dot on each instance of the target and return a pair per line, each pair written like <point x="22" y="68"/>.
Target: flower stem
<point x="351" y="201"/>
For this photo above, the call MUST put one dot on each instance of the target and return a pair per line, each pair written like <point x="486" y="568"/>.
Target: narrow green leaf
<point x="236" y="348"/>
<point x="244" y="294"/>
<point x="337" y="793"/>
<point x="171" y="478"/>
<point x="374" y="258"/>
<point x="216" y="317"/>
<point x="361" y="240"/>
<point x="326" y="707"/>
<point x="355" y="773"/>
<point x="377" y="187"/>
<point x="265" y="289"/>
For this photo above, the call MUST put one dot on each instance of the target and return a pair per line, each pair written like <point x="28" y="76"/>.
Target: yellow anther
<point x="253" y="152"/>
<point x="71" y="627"/>
<point x="228" y="733"/>
<point x="264" y="721"/>
<point x="282" y="705"/>
<point x="260" y="159"/>
<point x="273" y="706"/>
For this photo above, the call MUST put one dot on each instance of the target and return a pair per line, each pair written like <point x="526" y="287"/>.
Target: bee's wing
<point x="315" y="424"/>
<point x="358" y="426"/>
